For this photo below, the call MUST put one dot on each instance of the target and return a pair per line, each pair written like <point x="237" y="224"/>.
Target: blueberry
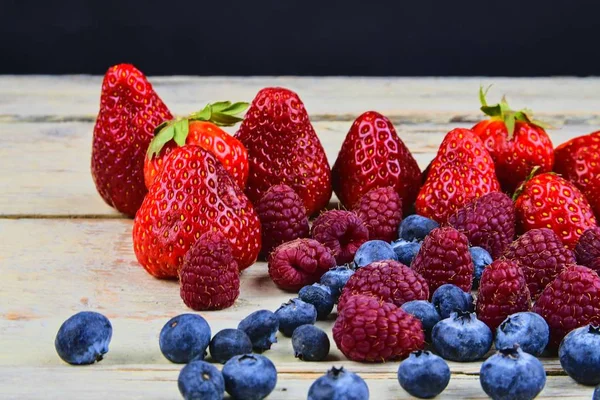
<point x="83" y="338"/>
<point x="406" y="251"/>
<point x="527" y="329"/>
<point x="579" y="354"/>
<point x="261" y="327"/>
<point x="461" y="337"/>
<point x="449" y="298"/>
<point x="319" y="296"/>
<point x="310" y="343"/>
<point x="373" y="250"/>
<point x="512" y="374"/>
<point x="228" y="343"/>
<point x="339" y="384"/>
<point x="293" y="314"/>
<point x="200" y="380"/>
<point x="336" y="279"/>
<point x="596" y="395"/>
<point x="185" y="338"/>
<point x="425" y="311"/>
<point x="481" y="259"/>
<point x="424" y="374"/>
<point x="416" y="227"/>
<point x="249" y="377"/>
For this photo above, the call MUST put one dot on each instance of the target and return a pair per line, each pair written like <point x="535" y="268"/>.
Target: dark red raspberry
<point x="381" y="211"/>
<point x="371" y="330"/>
<point x="570" y="301"/>
<point x="502" y="292"/>
<point x="298" y="263"/>
<point x="282" y="217"/>
<point x="487" y="222"/>
<point x="209" y="276"/>
<point x="444" y="257"/>
<point x="342" y="232"/>
<point x="389" y="281"/>
<point x="542" y="255"/>
<point x="588" y="247"/>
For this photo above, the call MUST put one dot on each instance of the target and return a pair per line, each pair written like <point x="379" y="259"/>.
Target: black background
<point x="285" y="37"/>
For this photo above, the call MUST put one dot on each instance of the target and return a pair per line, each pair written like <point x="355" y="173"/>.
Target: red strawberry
<point x="570" y="301"/>
<point x="193" y="194"/>
<point x="342" y="232"/>
<point x="549" y="201"/>
<point x="284" y="148"/>
<point x="209" y="277"/>
<point x="592" y="193"/>
<point x="578" y="160"/>
<point x="201" y="129"/>
<point x="444" y="258"/>
<point x="588" y="246"/>
<point x="502" y="292"/>
<point x="461" y="171"/>
<point x="373" y="156"/>
<point x="516" y="142"/>
<point x="129" y="112"/>
<point x="381" y="211"/>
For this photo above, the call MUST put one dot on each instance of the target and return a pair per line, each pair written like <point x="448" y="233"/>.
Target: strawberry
<point x="373" y="156"/>
<point x="129" y="112"/>
<point x="592" y="193"/>
<point x="578" y="160"/>
<point x="516" y="142"/>
<point x="192" y="194"/>
<point x="201" y="129"/>
<point x="284" y="148"/>
<point x="461" y="171"/>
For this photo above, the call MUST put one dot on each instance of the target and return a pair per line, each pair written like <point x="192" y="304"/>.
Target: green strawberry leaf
<point x="236" y="108"/>
<point x="482" y="94"/>
<point x="220" y="106"/>
<point x="222" y="113"/>
<point x="509" y="120"/>
<point x="202" y="115"/>
<point x="521" y="187"/>
<point x="222" y="119"/>
<point x="182" y="128"/>
<point x="161" y="138"/>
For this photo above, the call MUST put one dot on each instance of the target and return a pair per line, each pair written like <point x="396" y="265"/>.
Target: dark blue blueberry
<point x="373" y="250"/>
<point x="228" y="343"/>
<point x="310" y="343"/>
<point x="200" y="380"/>
<point x="293" y="314"/>
<point x="319" y="296"/>
<point x="406" y="251"/>
<point x="527" y="329"/>
<point x="512" y="374"/>
<point x="249" y="377"/>
<point x="579" y="355"/>
<point x="336" y="279"/>
<point x="83" y="338"/>
<point x="424" y="375"/>
<point x="185" y="338"/>
<point x="461" y="337"/>
<point x="450" y="298"/>
<point x="339" y="384"/>
<point x="416" y="227"/>
<point x="596" y="395"/>
<point x="481" y="259"/>
<point x="425" y="311"/>
<point x="261" y="327"/>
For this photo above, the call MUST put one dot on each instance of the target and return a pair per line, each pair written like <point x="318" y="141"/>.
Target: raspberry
<point x="342" y="232"/>
<point x="570" y="301"/>
<point x="381" y="211"/>
<point x="502" y="292"/>
<point x="542" y="255"/>
<point x="388" y="281"/>
<point x="588" y="247"/>
<point x="282" y="217"/>
<point x="445" y="258"/>
<point x="298" y="263"/>
<point x="209" y="276"/>
<point x="372" y="330"/>
<point x="487" y="222"/>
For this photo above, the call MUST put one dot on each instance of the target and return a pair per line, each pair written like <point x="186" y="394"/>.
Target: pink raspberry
<point x="342" y="232"/>
<point x="381" y="211"/>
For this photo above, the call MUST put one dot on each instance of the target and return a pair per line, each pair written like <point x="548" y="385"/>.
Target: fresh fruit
<point x="284" y="148"/>
<point x="228" y="343"/>
<point x="444" y="258"/>
<point x="461" y="337"/>
<point x="192" y="195"/>
<point x="370" y="330"/>
<point x="578" y="160"/>
<point x="415" y="227"/>
<point x="342" y="232"/>
<point x="406" y="251"/>
<point x="516" y="142"/>
<point x="298" y="263"/>
<point x="423" y="374"/>
<point x="381" y="211"/>
<point x="579" y="355"/>
<point x="339" y="384"/>
<point x="261" y="327"/>
<point x="461" y="171"/>
<point x="336" y="278"/>
<point x="450" y="298"/>
<point x="487" y="222"/>
<point x="570" y="301"/>
<point x="184" y="338"/>
<point x="310" y="343"/>
<point x="373" y="250"/>
<point x="373" y="156"/>
<point x="282" y="217"/>
<point x="549" y="201"/>
<point x="201" y="380"/>
<point x="293" y="314"/>
<point x="129" y="112"/>
<point x="481" y="259"/>
<point x="512" y="374"/>
<point x="425" y="312"/>
<point x="592" y="193"/>
<point x="249" y="377"/>
<point x="527" y="329"/>
<point x="588" y="246"/>
<point x="83" y="338"/>
<point x="319" y="296"/>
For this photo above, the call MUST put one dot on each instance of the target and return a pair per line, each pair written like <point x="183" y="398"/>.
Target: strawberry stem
<point x="519" y="190"/>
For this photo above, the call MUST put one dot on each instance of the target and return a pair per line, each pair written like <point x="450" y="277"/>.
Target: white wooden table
<point x="62" y="250"/>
